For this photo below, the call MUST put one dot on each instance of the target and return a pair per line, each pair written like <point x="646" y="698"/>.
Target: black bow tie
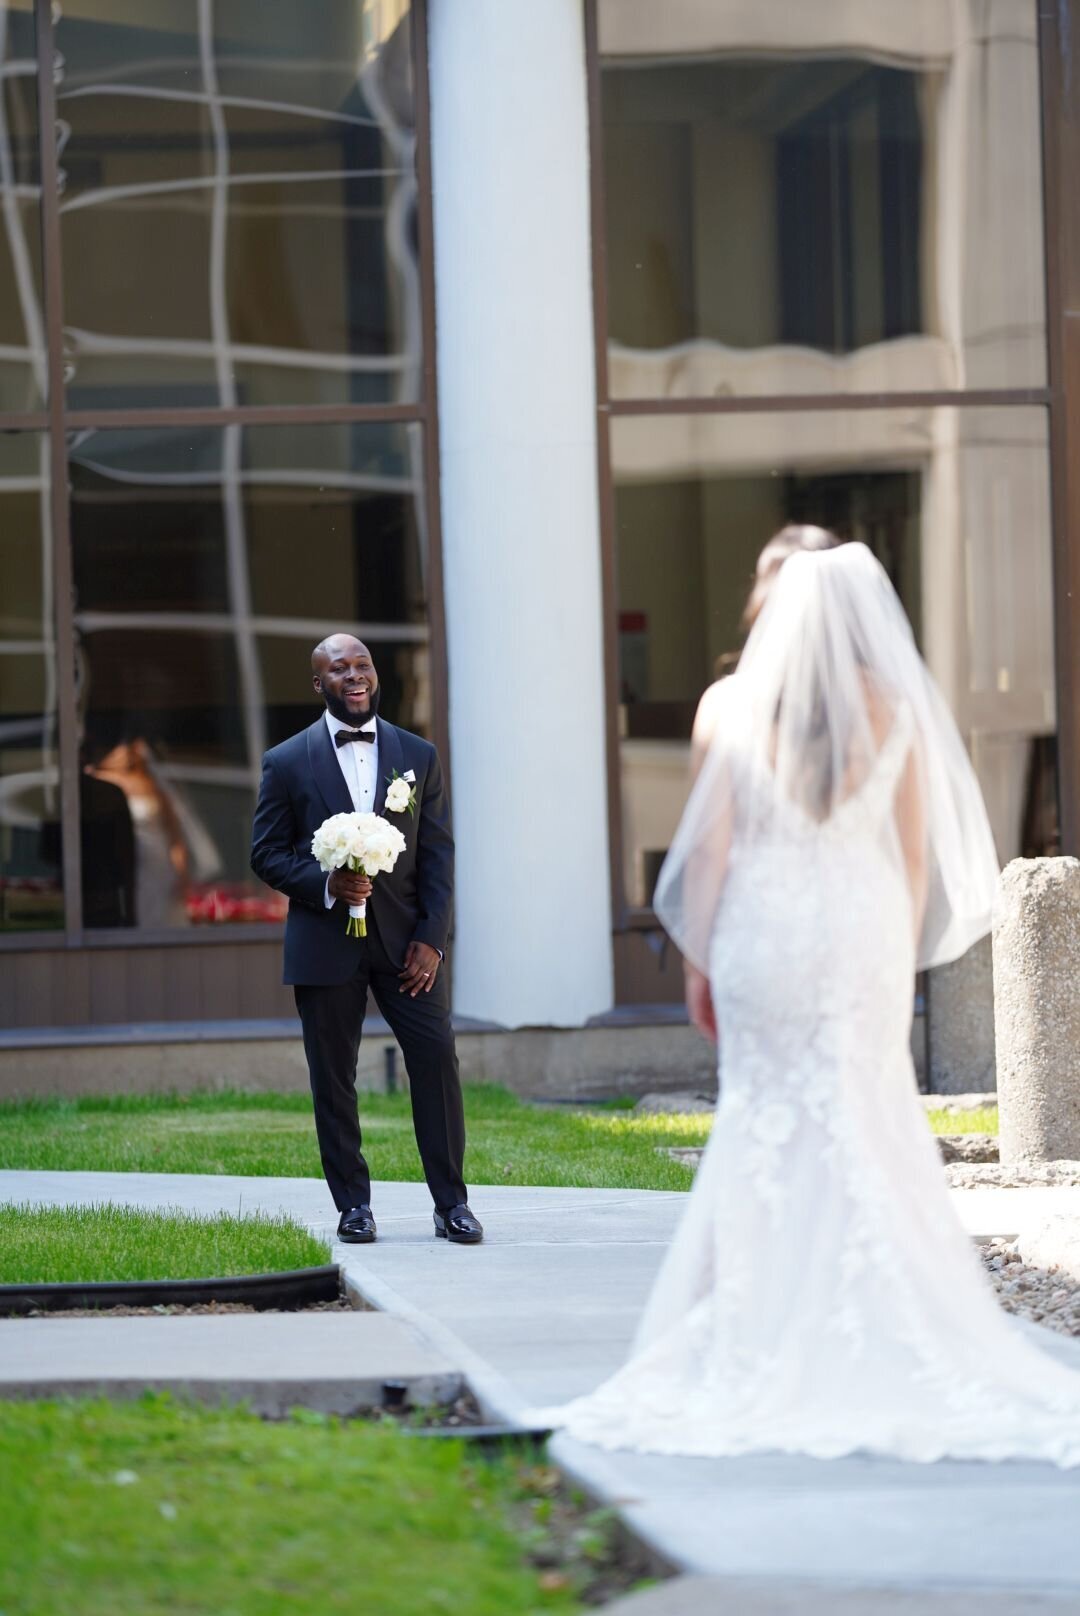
<point x="344" y="736"/>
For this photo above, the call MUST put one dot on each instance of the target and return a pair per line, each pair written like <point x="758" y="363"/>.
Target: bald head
<point x="343" y="673"/>
<point x="335" y="645"/>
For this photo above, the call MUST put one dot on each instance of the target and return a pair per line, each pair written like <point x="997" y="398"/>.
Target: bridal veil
<point x="829" y="677"/>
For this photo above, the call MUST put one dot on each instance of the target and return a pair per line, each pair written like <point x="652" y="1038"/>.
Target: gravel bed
<point x="963" y="1153"/>
<point x="174" y="1309"/>
<point x="679" y="1103"/>
<point x="968" y="1147"/>
<point x="1018" y="1176"/>
<point x="1044" y="1295"/>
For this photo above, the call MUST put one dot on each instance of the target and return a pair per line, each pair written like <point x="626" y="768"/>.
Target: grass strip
<point x="272" y="1135"/>
<point x="984" y="1120"/>
<point x="267" y="1135"/>
<point x="51" y="1245"/>
<point x="158" y="1508"/>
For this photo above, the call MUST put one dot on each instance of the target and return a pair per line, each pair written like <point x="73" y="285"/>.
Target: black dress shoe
<point x="357" y="1226"/>
<point x="459" y="1226"/>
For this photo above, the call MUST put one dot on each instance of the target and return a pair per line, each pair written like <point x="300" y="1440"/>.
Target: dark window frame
<point x="1060" y="104"/>
<point x="59" y="420"/>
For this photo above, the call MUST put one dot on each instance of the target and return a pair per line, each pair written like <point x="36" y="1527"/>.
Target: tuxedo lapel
<point x="326" y="770"/>
<point x="391" y="757"/>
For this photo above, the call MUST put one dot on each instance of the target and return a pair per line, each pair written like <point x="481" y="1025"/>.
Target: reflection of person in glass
<point x="161" y="857"/>
<point x="107" y="842"/>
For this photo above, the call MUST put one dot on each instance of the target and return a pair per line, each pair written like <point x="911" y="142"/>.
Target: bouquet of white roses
<point x="366" y="844"/>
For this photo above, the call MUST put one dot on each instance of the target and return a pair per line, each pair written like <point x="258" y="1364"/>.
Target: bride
<point x="820" y="1296"/>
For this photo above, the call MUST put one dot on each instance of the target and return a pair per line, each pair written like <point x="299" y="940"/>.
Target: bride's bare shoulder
<point x="717" y="698"/>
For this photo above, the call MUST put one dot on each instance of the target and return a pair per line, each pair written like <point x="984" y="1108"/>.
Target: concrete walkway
<point x="546" y="1307"/>
<point x="715" y="1596"/>
<point x="336" y="1362"/>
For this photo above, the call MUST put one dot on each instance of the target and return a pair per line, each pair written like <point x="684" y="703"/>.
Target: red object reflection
<point x="223" y="904"/>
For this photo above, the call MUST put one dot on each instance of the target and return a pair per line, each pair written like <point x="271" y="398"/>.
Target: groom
<point x="344" y="763"/>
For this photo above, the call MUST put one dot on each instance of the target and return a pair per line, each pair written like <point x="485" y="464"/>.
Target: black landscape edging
<point x="494" y="1436"/>
<point x="298" y="1287"/>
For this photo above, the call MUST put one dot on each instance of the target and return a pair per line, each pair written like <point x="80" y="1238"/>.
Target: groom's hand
<point x="421" y="968"/>
<point x="348" y="886"/>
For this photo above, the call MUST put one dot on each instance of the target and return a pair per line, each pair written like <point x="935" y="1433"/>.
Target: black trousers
<point x="333" y="1019"/>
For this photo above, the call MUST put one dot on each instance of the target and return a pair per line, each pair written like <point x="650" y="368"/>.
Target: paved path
<point x="547" y="1306"/>
<point x="708" y="1596"/>
<point x="337" y="1362"/>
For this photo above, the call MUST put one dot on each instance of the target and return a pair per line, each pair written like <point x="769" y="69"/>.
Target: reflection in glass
<point x="31" y="888"/>
<point x="208" y="562"/>
<point x="238" y="212"/>
<point x="22" y="315"/>
<point x="955" y="503"/>
<point x="822" y="198"/>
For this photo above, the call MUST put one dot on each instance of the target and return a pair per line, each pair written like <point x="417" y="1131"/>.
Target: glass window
<point x="22" y="314"/>
<point x="31" y="887"/>
<point x="956" y="505"/>
<point x="238" y="210"/>
<point x="822" y="198"/>
<point x="208" y="562"/>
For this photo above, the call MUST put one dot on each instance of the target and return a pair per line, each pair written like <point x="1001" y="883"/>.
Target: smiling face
<point x="344" y="676"/>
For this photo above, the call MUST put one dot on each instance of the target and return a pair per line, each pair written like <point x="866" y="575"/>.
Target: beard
<point x="339" y="708"/>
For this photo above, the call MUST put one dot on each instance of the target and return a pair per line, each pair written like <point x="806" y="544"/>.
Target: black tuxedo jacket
<point x="302" y="784"/>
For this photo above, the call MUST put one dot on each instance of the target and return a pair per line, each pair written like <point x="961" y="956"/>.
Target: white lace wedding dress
<point x="820" y="1296"/>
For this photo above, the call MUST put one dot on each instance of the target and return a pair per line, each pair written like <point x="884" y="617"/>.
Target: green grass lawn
<point x="510" y="1142"/>
<point x="273" y="1134"/>
<point x="48" y="1245"/>
<point x="157" y="1508"/>
<point x="985" y="1120"/>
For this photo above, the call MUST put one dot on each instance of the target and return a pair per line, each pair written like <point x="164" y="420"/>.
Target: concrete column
<point x="519" y="509"/>
<point x="1036" y="971"/>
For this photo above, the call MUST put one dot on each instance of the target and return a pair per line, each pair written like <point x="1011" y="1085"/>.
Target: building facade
<point x="503" y="335"/>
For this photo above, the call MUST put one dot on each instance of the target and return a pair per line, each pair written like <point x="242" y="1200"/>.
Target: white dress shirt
<point x="359" y="765"/>
<point x="358" y="762"/>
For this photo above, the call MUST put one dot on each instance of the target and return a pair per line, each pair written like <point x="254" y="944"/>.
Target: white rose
<point x="373" y="842"/>
<point x="388" y="843"/>
<point x="398" y="796"/>
<point x="325" y="847"/>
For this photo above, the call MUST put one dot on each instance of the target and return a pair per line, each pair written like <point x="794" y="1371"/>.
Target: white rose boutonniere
<point x="401" y="793"/>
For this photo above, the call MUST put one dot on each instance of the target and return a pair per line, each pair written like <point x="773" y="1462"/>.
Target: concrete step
<point x="336" y="1363"/>
<point x="725" y="1596"/>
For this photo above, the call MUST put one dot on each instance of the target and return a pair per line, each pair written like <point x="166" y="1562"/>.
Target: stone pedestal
<point x="1037" y="1009"/>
